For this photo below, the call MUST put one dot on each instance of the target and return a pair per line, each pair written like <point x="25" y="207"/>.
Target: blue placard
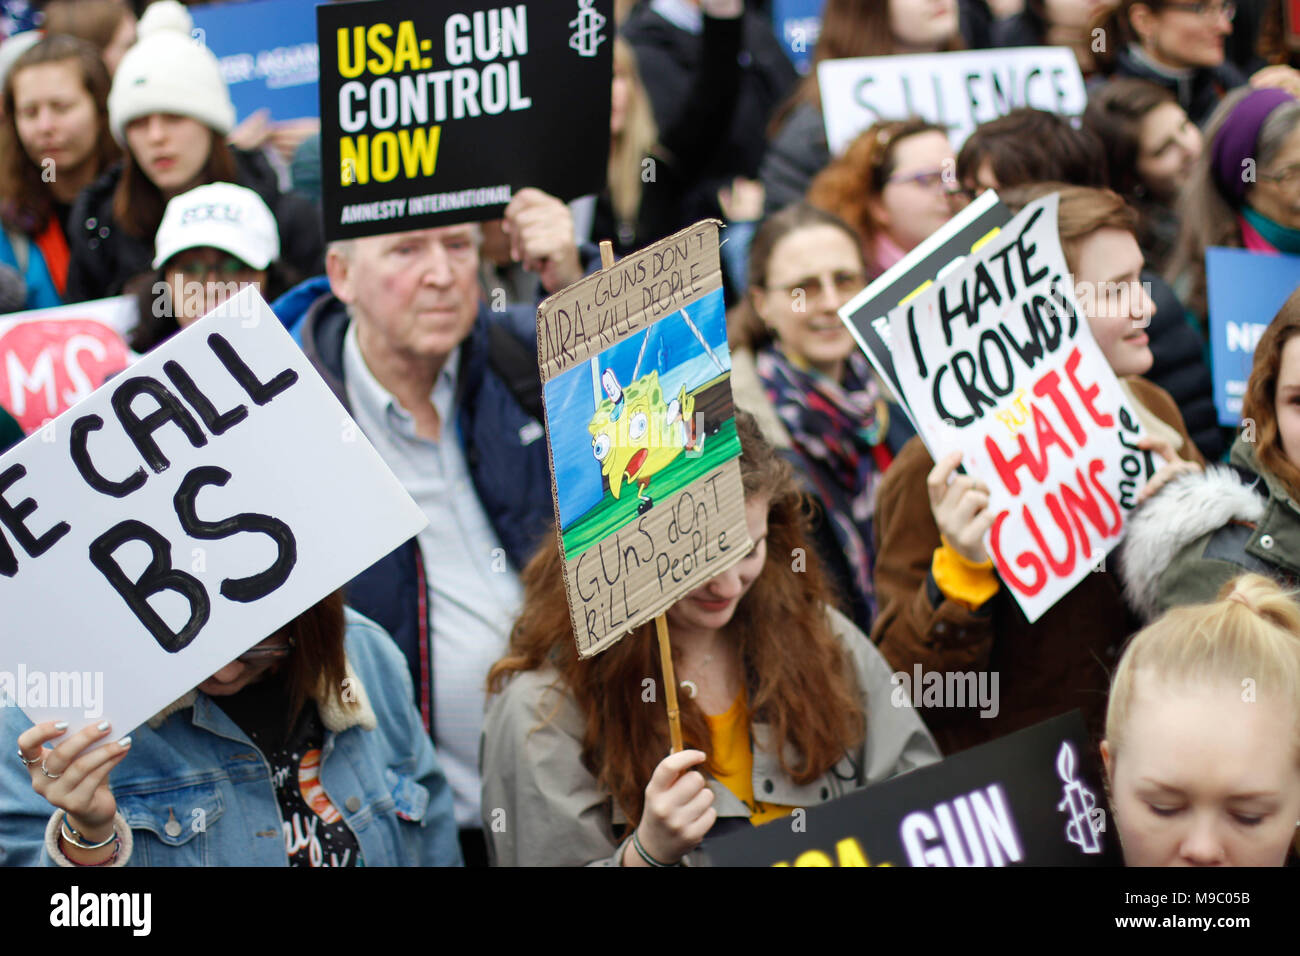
<point x="1245" y="290"/>
<point x="798" y="24"/>
<point x="267" y="51"/>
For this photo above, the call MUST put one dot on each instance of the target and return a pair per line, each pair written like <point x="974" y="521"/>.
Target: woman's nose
<point x="1202" y="845"/>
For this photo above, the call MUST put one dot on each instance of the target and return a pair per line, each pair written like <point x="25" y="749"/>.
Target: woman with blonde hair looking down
<point x="1201" y="732"/>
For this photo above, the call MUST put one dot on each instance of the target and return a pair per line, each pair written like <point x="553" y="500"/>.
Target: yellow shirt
<point x="734" y="758"/>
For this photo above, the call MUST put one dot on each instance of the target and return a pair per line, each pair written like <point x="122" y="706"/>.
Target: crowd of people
<point x="476" y="735"/>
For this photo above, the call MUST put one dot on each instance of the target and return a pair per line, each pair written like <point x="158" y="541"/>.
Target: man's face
<point x="412" y="294"/>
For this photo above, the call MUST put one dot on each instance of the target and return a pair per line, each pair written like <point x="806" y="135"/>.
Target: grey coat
<point x="541" y="807"/>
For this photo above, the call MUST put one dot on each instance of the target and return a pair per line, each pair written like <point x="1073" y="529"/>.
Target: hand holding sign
<point x="540" y="228"/>
<point x="1173" y="468"/>
<point x="678" y="808"/>
<point x="76" y="780"/>
<point x="961" y="508"/>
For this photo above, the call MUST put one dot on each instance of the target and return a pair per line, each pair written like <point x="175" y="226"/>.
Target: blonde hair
<point x="633" y="143"/>
<point x="1251" y="632"/>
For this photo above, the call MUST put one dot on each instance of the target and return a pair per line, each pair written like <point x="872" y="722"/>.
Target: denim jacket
<point x="542" y="807"/>
<point x="195" y="791"/>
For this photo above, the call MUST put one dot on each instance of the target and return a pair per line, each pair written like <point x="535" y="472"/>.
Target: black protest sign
<point x="1032" y="798"/>
<point x="437" y="113"/>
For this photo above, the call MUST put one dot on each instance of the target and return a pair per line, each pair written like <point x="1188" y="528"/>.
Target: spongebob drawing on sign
<point x="635" y="434"/>
<point x="640" y="420"/>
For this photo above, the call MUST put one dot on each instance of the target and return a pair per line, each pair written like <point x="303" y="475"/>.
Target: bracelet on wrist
<point x="645" y="855"/>
<point x="70" y="834"/>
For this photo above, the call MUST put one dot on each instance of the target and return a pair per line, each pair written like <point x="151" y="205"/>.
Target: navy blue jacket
<point x="505" y="450"/>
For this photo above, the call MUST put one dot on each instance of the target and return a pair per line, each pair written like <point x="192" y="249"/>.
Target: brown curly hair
<point x="797" y="677"/>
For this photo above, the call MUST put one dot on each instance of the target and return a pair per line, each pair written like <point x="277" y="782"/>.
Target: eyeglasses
<point x="265" y="652"/>
<point x="227" y="268"/>
<point x="845" y="282"/>
<point x="930" y="179"/>
<point x="1288" y="178"/>
<point x="1205" y="8"/>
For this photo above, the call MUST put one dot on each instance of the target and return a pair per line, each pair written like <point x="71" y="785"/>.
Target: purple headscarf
<point x="1237" y="139"/>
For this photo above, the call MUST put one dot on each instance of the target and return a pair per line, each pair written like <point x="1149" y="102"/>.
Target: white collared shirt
<point x="473" y="594"/>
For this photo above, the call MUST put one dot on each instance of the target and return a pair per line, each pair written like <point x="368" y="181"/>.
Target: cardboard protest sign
<point x="798" y="24"/>
<point x="1245" y="290"/>
<point x="641" y="431"/>
<point x="437" y="114"/>
<point x="179" y="515"/>
<point x="267" y="53"/>
<point x="1032" y="798"/>
<point x="867" y="313"/>
<point x="997" y="359"/>
<point x="957" y="90"/>
<point x="50" y="359"/>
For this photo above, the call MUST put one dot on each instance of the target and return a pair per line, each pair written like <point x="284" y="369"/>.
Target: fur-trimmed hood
<point x="1179" y="514"/>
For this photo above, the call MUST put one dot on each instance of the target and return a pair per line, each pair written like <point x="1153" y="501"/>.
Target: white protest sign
<point x="997" y="359"/>
<point x="50" y="359"/>
<point x="179" y="515"/>
<point x="957" y="90"/>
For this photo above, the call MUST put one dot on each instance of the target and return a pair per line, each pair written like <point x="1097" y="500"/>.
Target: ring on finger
<point x="52" y="776"/>
<point x="28" y="763"/>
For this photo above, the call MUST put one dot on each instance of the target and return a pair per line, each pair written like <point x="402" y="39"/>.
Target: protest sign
<point x="267" y="53"/>
<point x="956" y="90"/>
<point x="997" y="359"/>
<point x="432" y="115"/>
<point x="798" y="24"/>
<point x="867" y="313"/>
<point x="180" y="514"/>
<point x="1032" y="798"/>
<point x="50" y="359"/>
<point x="641" y="432"/>
<point x="1244" y="291"/>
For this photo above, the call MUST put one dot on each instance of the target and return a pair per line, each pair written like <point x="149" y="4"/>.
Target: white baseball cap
<point x="223" y="216"/>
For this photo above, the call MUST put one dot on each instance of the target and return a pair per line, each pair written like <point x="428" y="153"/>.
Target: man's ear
<point x="339" y="266"/>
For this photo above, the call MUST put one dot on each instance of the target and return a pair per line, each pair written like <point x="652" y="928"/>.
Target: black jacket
<point x="104" y="257"/>
<point x="798" y="153"/>
<point x="1180" y="368"/>
<point x="1198" y="95"/>
<point x="670" y="59"/>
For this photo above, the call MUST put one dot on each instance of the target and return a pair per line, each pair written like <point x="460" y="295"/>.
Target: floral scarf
<point x="841" y="427"/>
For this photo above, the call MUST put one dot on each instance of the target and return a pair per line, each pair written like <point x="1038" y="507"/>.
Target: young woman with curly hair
<point x="784" y="704"/>
<point x="895" y="184"/>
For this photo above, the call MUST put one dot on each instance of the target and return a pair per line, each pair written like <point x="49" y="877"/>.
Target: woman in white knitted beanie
<point x="170" y="108"/>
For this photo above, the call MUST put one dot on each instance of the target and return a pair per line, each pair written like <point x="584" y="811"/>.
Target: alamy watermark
<point x="64" y="690"/>
<point x="946" y="689"/>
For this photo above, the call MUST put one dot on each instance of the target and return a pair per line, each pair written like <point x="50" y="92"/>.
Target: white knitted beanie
<point x="169" y="71"/>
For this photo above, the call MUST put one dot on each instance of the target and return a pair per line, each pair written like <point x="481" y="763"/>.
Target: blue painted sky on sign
<point x="571" y="397"/>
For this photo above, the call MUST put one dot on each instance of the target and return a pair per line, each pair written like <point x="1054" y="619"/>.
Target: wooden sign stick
<point x="661" y="622"/>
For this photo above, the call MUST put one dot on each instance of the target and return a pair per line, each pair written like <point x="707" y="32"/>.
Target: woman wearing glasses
<point x="1178" y="44"/>
<point x="797" y="368"/>
<point x="304" y="751"/>
<point x="1244" y="191"/>
<point x="213" y="241"/>
<point x="895" y="184"/>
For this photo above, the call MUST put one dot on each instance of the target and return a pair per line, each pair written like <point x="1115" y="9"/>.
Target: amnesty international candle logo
<point x="437" y="115"/>
<point x="1080" y="805"/>
<point x="587" y="37"/>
